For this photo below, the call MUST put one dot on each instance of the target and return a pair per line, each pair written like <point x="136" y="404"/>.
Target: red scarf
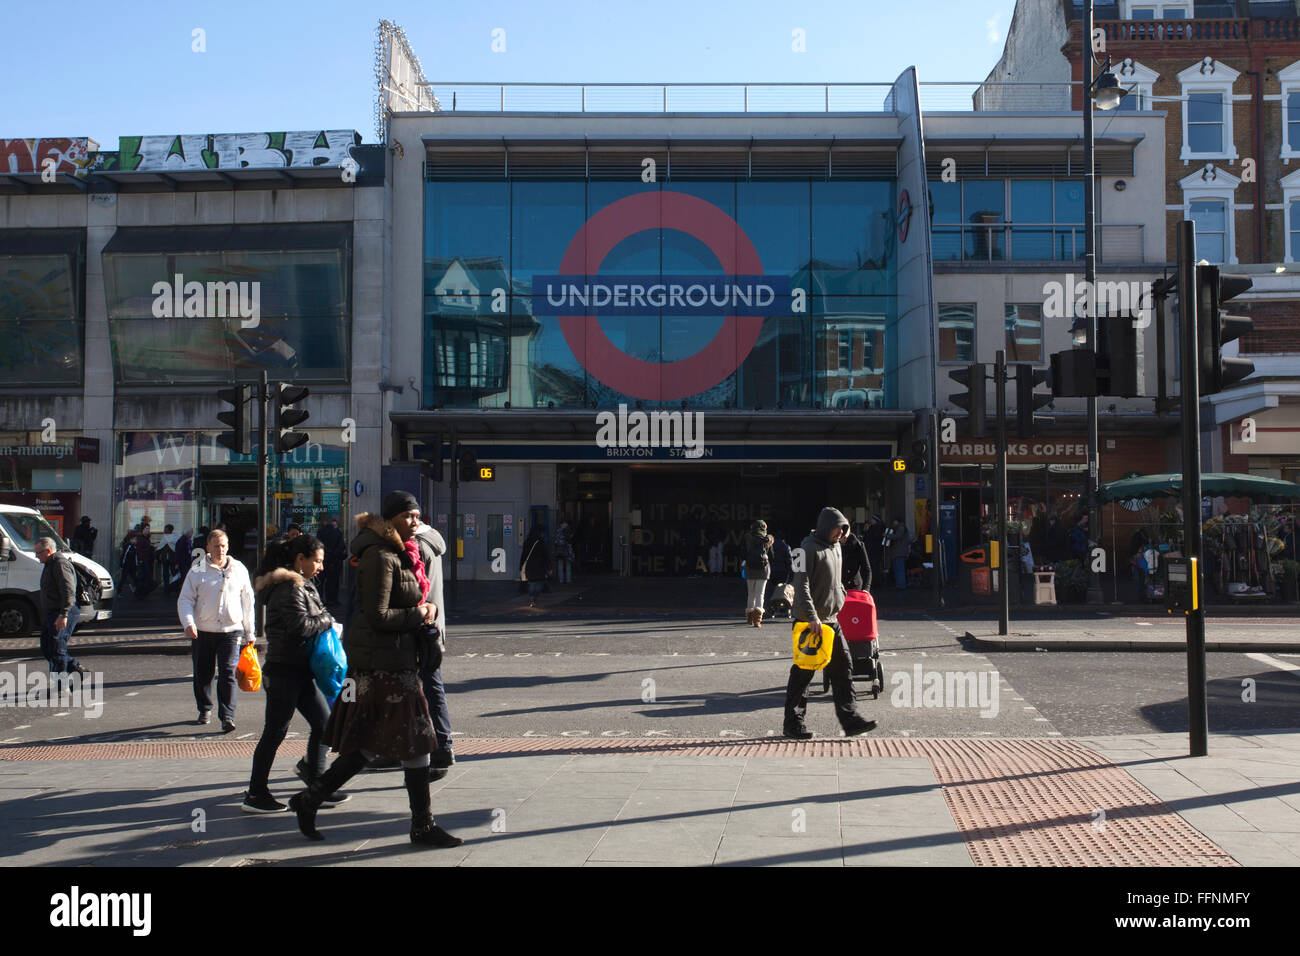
<point x="413" y="550"/>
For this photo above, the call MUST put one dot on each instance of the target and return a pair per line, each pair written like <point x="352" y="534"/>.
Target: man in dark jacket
<point x="60" y="612"/>
<point x="336" y="552"/>
<point x="874" y="540"/>
<point x="857" y="569"/>
<point x="83" y="538"/>
<point x="818" y="597"/>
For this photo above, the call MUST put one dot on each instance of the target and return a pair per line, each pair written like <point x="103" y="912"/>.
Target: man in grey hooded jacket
<point x="432" y="548"/>
<point x="818" y="597"/>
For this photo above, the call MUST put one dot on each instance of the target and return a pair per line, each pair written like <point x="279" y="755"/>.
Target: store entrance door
<point x="240" y="519"/>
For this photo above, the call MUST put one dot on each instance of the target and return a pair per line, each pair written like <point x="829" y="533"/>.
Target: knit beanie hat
<point x="398" y="502"/>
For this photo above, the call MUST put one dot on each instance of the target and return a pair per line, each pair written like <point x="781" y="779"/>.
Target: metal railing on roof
<point x="742" y="97"/>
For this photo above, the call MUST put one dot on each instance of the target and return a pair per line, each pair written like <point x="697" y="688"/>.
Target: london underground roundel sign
<point x="667" y="381"/>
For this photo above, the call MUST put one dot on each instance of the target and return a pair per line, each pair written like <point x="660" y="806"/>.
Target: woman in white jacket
<point x="216" y="610"/>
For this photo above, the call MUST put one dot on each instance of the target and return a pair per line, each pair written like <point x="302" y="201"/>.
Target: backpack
<point x="89" y="590"/>
<point x="755" y="553"/>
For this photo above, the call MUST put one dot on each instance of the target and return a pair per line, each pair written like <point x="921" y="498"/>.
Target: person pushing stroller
<point x="818" y="597"/>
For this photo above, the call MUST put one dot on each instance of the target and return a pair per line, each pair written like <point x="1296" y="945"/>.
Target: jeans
<point x="564" y="571"/>
<point x="288" y="689"/>
<point x="216" y="653"/>
<point x="900" y="573"/>
<point x="436" y="694"/>
<point x="840" y="672"/>
<point x="54" y="644"/>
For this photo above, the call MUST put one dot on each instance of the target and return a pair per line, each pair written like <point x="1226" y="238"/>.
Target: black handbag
<point x="428" y="647"/>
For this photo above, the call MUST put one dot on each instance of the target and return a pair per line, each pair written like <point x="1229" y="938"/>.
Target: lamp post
<point x="1106" y="93"/>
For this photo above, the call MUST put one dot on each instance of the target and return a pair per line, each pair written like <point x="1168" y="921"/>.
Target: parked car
<point x="20" y="572"/>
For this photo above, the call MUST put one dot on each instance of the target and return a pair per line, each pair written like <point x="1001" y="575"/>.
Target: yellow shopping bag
<point x="812" y="651"/>
<point x="249" y="671"/>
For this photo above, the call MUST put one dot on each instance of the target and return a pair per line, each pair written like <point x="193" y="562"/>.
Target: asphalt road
<point x="638" y="677"/>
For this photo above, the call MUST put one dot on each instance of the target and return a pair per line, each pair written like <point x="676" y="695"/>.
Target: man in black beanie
<point x="398" y="502"/>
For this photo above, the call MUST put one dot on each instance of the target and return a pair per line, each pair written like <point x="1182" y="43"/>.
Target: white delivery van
<point x="20" y="573"/>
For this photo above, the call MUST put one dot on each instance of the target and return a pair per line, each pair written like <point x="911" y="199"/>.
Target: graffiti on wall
<point x="232" y="151"/>
<point x="71" y="155"/>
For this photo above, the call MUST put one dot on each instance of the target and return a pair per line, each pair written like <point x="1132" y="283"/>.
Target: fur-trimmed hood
<point x="374" y="530"/>
<point x="278" y="576"/>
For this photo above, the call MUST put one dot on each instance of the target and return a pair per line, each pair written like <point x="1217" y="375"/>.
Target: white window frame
<point x="1290" y="80"/>
<point x="1139" y="80"/>
<point x="1209" y="76"/>
<point x="1158" y="6"/>
<point x="1214" y="183"/>
<point x="1290" y="193"/>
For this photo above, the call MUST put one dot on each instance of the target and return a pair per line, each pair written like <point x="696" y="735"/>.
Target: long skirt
<point x="389" y="717"/>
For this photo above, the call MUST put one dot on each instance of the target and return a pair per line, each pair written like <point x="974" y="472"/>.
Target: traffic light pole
<point x="1004" y="588"/>
<point x="1198" y="722"/>
<point x="936" y="499"/>
<point x="263" y="459"/>
<point x="1090" y="278"/>
<point x="453" y="532"/>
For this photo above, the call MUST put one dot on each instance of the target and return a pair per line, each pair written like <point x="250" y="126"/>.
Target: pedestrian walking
<point x="166" y="555"/>
<point x="564" y="552"/>
<point x="897" y="543"/>
<point x="144" y="559"/>
<point x="295" y="617"/>
<point x="216" y="610"/>
<point x="59" y="610"/>
<point x="874" y="541"/>
<point x="536" y="563"/>
<point x="818" y="597"/>
<point x="857" y="567"/>
<point x="126" y="564"/>
<point x="756" y="543"/>
<point x="336" y="552"/>
<point x="387" y="644"/>
<point x="432" y="548"/>
<point x="781" y="565"/>
<point x="181" y="561"/>
<point x="83" y="538"/>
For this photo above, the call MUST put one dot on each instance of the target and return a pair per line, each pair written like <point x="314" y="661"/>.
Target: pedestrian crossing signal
<point x="898" y="464"/>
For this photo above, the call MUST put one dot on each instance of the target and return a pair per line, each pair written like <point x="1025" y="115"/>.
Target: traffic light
<point x="1214" y="328"/>
<point x="283" y="436"/>
<point x="972" y="376"/>
<point x="920" y="461"/>
<point x="1074" y="374"/>
<point x="1028" y="401"/>
<point x="239" y="417"/>
<point x="468" y="465"/>
<point x="431" y="455"/>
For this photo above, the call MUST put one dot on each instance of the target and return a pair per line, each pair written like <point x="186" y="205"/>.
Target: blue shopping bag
<point x="329" y="663"/>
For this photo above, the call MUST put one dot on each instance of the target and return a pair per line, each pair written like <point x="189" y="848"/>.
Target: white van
<point x="20" y="572"/>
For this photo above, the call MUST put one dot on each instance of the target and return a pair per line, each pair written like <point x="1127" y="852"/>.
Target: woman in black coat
<point x="856" y="569"/>
<point x="295" y="617"/>
<point x="392" y="636"/>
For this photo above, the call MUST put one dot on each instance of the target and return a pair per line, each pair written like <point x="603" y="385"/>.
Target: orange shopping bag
<point x="249" y="670"/>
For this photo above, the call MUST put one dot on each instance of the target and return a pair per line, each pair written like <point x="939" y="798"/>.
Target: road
<point x="713" y="677"/>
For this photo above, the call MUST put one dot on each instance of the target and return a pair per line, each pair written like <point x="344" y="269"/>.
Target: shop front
<point x="44" y="475"/>
<point x="186" y="480"/>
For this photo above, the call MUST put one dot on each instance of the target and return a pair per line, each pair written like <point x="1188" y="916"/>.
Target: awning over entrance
<point x="1258" y="489"/>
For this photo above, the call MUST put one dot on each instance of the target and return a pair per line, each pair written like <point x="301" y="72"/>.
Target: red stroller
<point x="858" y="621"/>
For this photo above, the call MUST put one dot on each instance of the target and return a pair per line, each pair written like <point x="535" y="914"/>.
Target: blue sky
<point x="99" y="70"/>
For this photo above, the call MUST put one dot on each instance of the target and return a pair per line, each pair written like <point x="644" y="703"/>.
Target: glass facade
<point x="826" y="335"/>
<point x="41" y="319"/>
<point x="236" y="312"/>
<point x="1008" y="219"/>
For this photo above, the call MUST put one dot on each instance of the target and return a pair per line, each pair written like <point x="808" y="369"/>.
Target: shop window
<point x="1024" y="332"/>
<point x="956" y="333"/>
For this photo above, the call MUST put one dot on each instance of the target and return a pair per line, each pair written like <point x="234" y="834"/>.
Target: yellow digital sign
<point x="487" y="472"/>
<point x="899" y="464"/>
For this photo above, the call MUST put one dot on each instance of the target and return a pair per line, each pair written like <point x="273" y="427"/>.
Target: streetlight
<point x="1104" y="93"/>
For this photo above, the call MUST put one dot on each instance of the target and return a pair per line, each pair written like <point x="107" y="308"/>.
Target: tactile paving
<point x="1024" y="802"/>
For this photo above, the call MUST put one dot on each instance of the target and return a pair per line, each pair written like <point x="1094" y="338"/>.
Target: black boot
<point x="424" y="832"/>
<point x="308" y="801"/>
